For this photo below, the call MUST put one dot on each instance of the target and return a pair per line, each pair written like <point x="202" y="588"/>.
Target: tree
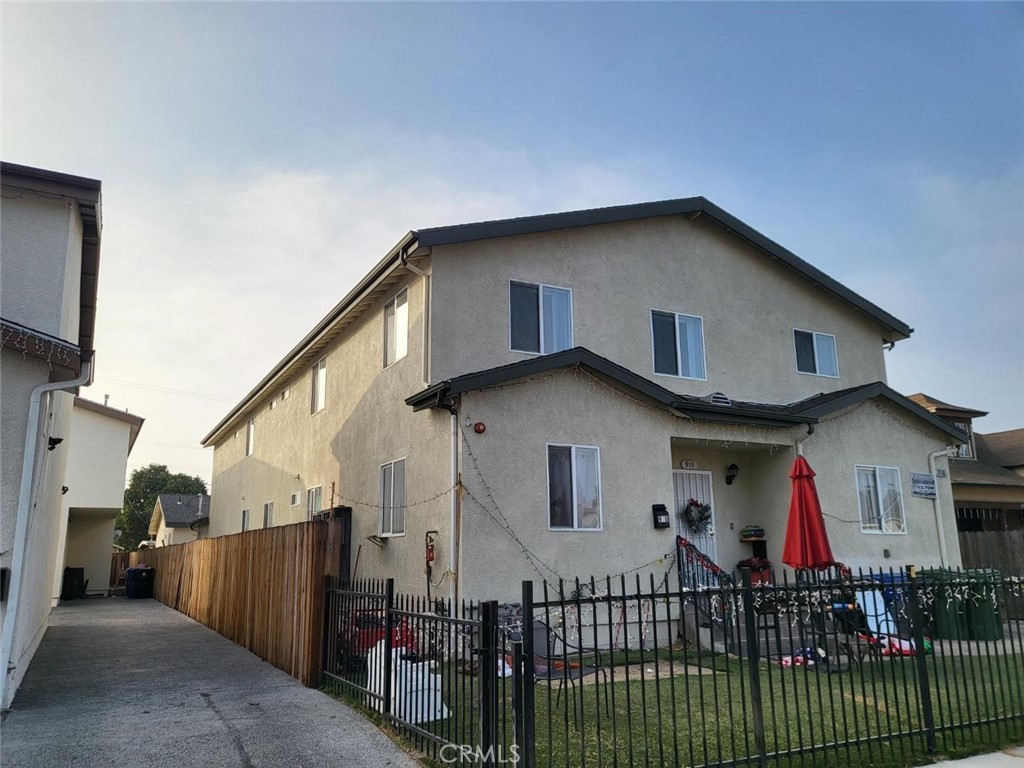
<point x="140" y="497"/>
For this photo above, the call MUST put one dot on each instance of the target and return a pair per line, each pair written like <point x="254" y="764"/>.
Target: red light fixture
<point x="479" y="427"/>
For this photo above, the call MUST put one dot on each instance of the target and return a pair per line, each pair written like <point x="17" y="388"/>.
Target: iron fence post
<point x="488" y="754"/>
<point x="528" y="746"/>
<point x="389" y="625"/>
<point x="754" y="667"/>
<point x="917" y="630"/>
<point x="329" y="623"/>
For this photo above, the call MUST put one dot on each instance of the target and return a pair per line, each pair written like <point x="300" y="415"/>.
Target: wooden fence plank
<point x="263" y="589"/>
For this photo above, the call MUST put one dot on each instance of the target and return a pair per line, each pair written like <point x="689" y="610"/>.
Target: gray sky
<point x="257" y="159"/>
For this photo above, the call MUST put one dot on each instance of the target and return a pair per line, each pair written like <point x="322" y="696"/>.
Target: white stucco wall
<point x="95" y="477"/>
<point x="89" y="540"/>
<point x="365" y="423"/>
<point x="618" y="273"/>
<point x="640" y="447"/>
<point x="879" y="434"/>
<point x="41" y="266"/>
<point x="44" y="526"/>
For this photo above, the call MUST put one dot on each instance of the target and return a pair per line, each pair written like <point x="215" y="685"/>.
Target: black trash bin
<point x="139" y="581"/>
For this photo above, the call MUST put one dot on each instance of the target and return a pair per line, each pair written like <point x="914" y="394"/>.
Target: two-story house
<point x="520" y="394"/>
<point x="49" y="261"/>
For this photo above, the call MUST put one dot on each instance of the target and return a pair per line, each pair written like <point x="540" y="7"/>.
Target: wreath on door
<point x="697" y="516"/>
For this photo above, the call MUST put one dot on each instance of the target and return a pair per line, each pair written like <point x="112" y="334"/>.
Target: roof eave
<point x="340" y="310"/>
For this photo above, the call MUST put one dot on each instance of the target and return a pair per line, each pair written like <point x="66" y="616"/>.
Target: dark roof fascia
<point x="440" y="395"/>
<point x="340" y="309"/>
<point x="463" y="233"/>
<point x="88" y="194"/>
<point x="858" y="395"/>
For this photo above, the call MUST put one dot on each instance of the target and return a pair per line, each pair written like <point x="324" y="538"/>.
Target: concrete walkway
<point x="133" y="683"/>
<point x="1008" y="758"/>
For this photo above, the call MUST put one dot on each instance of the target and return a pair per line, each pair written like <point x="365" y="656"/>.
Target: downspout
<point x="28" y="467"/>
<point x="799" y="442"/>
<point x="456" y="511"/>
<point x="939" y="529"/>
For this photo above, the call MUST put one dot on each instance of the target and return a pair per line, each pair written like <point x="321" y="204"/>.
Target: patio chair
<point x="564" y="665"/>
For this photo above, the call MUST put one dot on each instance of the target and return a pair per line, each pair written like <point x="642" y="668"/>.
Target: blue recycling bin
<point x="139" y="581"/>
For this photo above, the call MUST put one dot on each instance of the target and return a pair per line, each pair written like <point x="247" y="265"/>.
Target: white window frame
<point x="880" y="531"/>
<point x="246" y="515"/>
<point x="965" y="450"/>
<point x="268" y="514"/>
<point x="540" y="311"/>
<point x="250" y="436"/>
<point x="296" y="498"/>
<point x="398" y="331"/>
<point x="310" y="495"/>
<point x="284" y="394"/>
<point x="814" y="345"/>
<point x="547" y="489"/>
<point x="318" y="386"/>
<point x="380" y="504"/>
<point x="679" y="354"/>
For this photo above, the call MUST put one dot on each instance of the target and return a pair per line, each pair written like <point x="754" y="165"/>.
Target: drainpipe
<point x="939" y="529"/>
<point x="799" y="442"/>
<point x="28" y="467"/>
<point x="456" y="516"/>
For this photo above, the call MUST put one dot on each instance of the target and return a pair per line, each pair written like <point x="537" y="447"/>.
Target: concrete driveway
<point x="132" y="683"/>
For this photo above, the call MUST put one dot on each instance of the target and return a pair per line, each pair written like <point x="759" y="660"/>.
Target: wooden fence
<point x="263" y="589"/>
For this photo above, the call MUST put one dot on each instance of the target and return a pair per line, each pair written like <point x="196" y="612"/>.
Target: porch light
<point x="731" y="472"/>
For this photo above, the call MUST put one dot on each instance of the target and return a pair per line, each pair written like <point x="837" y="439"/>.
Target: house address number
<point x="687" y="464"/>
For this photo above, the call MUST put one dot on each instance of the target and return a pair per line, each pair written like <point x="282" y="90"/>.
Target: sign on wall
<point x="687" y="464"/>
<point x="923" y="485"/>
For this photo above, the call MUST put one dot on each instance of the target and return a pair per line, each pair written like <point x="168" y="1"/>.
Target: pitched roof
<point x="981" y="472"/>
<point x="182" y="509"/>
<point x="936" y="406"/>
<point x="689" y="206"/>
<point x="416" y="242"/>
<point x="713" y="408"/>
<point x="1004" y="449"/>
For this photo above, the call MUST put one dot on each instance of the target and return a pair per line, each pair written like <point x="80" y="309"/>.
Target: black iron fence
<point x="864" y="669"/>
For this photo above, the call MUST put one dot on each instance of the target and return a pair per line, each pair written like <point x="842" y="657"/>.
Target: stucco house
<point x="179" y="517"/>
<point x="102" y="438"/>
<point x="988" y="489"/>
<point x="49" y="262"/>
<point x="517" y="396"/>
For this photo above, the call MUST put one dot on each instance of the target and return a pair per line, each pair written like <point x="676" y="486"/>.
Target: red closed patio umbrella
<point x="806" y="540"/>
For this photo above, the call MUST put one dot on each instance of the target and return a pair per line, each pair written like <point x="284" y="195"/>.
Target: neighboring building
<point x="101" y="440"/>
<point x="49" y="262"/>
<point x="988" y="490"/>
<point x="573" y="370"/>
<point x="179" y="517"/>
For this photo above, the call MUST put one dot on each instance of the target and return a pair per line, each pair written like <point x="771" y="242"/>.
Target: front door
<point x="692" y="484"/>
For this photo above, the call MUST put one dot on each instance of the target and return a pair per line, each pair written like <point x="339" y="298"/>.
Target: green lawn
<point x="704" y="717"/>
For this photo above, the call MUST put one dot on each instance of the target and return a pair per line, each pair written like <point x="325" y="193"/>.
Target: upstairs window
<point x="396" y="328"/>
<point x="880" y="499"/>
<point x="318" y="392"/>
<point x="574" y="487"/>
<point x="540" y="318"/>
<point x="296" y="498"/>
<point x="816" y="353"/>
<point x="392" y="498"/>
<point x="245" y="520"/>
<point x="250" y="436"/>
<point x="966" y="450"/>
<point x="678" y="345"/>
<point x="268" y="514"/>
<point x="314" y="501"/>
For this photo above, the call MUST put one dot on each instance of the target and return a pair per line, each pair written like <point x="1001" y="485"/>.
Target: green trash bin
<point x="949" y="608"/>
<point x="984" y="620"/>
